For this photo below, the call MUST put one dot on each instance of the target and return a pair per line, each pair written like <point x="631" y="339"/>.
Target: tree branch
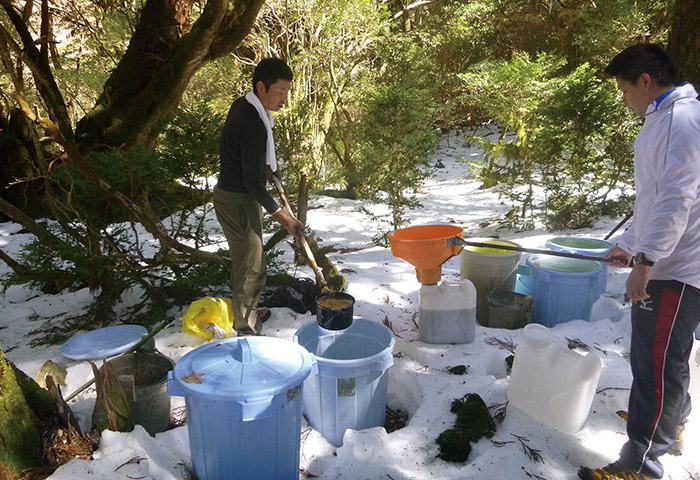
<point x="152" y="225"/>
<point x="39" y="66"/>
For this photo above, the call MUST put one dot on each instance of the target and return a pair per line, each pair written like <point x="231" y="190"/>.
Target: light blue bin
<point x="585" y="246"/>
<point x="244" y="407"/>
<point x="349" y="391"/>
<point x="563" y="288"/>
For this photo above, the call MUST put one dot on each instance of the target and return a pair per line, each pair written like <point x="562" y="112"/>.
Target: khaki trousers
<point x="240" y="216"/>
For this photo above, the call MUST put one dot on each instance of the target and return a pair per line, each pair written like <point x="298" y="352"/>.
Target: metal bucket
<point x="509" y="310"/>
<point x="334" y="311"/>
<point x="143" y="377"/>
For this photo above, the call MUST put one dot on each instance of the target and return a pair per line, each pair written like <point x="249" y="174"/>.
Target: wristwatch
<point x="641" y="259"/>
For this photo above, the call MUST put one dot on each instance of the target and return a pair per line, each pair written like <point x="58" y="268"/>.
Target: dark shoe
<point x="249" y="334"/>
<point x="614" y="471"/>
<point x="677" y="447"/>
<point x="264" y="314"/>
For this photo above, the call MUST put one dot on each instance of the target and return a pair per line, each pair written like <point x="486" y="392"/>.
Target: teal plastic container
<point x="349" y="391"/>
<point x="522" y="280"/>
<point x="244" y="406"/>
<point x="585" y="246"/>
<point x="563" y="288"/>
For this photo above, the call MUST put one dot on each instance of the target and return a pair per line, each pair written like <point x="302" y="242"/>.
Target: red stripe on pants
<point x="664" y="324"/>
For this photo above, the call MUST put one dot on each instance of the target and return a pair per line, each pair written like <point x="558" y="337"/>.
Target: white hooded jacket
<point x="666" y="222"/>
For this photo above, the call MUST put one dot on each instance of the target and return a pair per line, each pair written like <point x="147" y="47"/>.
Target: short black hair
<point x="641" y="58"/>
<point x="269" y="70"/>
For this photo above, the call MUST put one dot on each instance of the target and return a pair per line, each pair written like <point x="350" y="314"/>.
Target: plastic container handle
<point x="241" y="352"/>
<point x="256" y="409"/>
<point x="383" y="364"/>
<point x="174" y="388"/>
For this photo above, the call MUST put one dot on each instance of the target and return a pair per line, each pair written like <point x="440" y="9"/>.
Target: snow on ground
<point x="385" y="289"/>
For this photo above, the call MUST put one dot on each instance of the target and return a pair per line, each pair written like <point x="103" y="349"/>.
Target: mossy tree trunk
<point x="20" y="440"/>
<point x="31" y="421"/>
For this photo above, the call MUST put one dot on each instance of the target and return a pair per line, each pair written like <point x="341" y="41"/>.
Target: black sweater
<point x="243" y="153"/>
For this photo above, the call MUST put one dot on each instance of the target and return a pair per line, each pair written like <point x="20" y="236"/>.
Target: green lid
<point x="564" y="265"/>
<point x="581" y="243"/>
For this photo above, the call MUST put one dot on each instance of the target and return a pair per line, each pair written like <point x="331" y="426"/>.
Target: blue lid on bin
<point x="235" y="369"/>
<point x="103" y="343"/>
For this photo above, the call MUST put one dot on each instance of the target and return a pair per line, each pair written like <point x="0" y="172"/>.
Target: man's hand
<point x="270" y="174"/>
<point x="294" y="227"/>
<point x="619" y="258"/>
<point x="637" y="283"/>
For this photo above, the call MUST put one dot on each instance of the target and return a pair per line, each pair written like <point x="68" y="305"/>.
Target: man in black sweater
<point x="247" y="160"/>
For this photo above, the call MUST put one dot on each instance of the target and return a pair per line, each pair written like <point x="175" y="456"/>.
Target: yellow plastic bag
<point x="209" y="317"/>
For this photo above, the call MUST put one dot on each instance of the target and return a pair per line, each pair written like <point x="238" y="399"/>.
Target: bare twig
<point x="532" y="453"/>
<point x="574" y="343"/>
<point x="500" y="443"/>
<point x="532" y="475"/>
<point x="603" y="390"/>
<point x="500" y="411"/>
<point x="600" y="349"/>
<point x="131" y="461"/>
<point x="504" y="344"/>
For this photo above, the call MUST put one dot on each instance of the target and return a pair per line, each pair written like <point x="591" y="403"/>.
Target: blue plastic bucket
<point x="244" y="407"/>
<point x="585" y="246"/>
<point x="563" y="288"/>
<point x="350" y="388"/>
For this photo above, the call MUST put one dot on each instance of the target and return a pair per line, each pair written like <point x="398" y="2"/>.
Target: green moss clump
<point x="474" y="422"/>
<point x="473" y="417"/>
<point x="454" y="445"/>
<point x="458" y="370"/>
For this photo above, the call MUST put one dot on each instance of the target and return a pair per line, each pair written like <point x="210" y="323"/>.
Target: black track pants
<point x="662" y="341"/>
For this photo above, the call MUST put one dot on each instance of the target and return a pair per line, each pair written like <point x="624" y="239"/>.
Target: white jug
<point x="447" y="312"/>
<point x="552" y="383"/>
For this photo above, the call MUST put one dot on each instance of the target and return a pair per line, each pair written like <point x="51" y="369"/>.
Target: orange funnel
<point x="426" y="248"/>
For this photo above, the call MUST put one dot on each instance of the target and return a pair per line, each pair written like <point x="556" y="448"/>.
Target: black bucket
<point x="334" y="311"/>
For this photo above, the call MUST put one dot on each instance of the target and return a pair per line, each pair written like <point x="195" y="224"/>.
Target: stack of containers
<point x="488" y="269"/>
<point x="244" y="406"/>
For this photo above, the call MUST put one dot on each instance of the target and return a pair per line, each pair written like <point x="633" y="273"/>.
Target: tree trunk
<point x="163" y="55"/>
<point x="37" y="429"/>
<point x="684" y="42"/>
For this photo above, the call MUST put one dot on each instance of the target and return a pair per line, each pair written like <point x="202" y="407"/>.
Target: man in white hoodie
<point x="663" y="243"/>
<point x="247" y="160"/>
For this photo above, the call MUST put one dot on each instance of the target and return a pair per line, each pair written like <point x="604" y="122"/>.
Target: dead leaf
<point x="193" y="377"/>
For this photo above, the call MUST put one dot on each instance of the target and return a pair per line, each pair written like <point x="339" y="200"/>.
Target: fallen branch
<point x="504" y="344"/>
<point x="532" y="453"/>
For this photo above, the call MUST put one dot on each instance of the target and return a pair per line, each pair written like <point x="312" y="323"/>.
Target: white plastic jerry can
<point x="552" y="383"/>
<point x="447" y="312"/>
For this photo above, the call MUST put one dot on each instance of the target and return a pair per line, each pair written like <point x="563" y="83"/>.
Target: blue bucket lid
<point x="239" y="369"/>
<point x="103" y="343"/>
